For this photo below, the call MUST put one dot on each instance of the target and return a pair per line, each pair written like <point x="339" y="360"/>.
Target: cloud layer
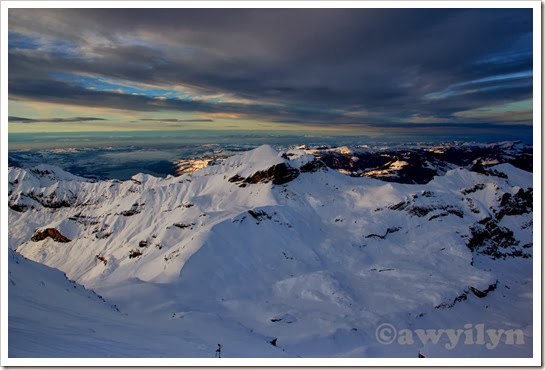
<point x="316" y="66"/>
<point x="53" y="120"/>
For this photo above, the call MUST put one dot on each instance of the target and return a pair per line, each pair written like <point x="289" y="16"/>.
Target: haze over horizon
<point x="361" y="72"/>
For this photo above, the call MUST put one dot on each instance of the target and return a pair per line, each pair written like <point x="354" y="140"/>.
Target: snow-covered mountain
<point x="271" y="245"/>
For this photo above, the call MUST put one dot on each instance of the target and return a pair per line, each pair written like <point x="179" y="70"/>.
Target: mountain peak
<point x="248" y="163"/>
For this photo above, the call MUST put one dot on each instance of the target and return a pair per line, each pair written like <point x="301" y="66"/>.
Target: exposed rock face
<point x="49" y="233"/>
<point x="102" y="259"/>
<point x="518" y="204"/>
<point x="484" y="293"/>
<point x="51" y="201"/>
<point x="40" y="172"/>
<point x="134" y="210"/>
<point x="236" y="178"/>
<point x="135" y="253"/>
<point x="183" y="226"/>
<point x="480" y="168"/>
<point x="278" y="174"/>
<point x="18" y="207"/>
<point x="488" y="238"/>
<point x="390" y="230"/>
<point x="462" y="297"/>
<point x="423" y="210"/>
<point x="473" y="189"/>
<point x="259" y="215"/>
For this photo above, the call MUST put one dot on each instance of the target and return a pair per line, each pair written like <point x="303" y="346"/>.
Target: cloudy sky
<point x="315" y="69"/>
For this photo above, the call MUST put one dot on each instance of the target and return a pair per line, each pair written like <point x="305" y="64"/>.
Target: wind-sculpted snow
<point x="317" y="261"/>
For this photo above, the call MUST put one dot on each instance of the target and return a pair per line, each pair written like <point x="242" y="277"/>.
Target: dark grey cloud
<point x="292" y="65"/>
<point x="175" y="120"/>
<point x="14" y="119"/>
<point x="52" y="91"/>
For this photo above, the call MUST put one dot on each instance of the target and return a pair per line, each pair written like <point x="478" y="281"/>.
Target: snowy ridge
<point x="285" y="248"/>
<point x="404" y="163"/>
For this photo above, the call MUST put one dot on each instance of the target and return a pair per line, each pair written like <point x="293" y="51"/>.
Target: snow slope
<point x="51" y="316"/>
<point x="271" y="245"/>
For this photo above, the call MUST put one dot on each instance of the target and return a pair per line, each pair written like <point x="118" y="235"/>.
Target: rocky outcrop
<point x="49" y="233"/>
<point x="313" y="166"/>
<point x="518" y="204"/>
<point x="184" y="226"/>
<point x="414" y="209"/>
<point x="278" y="174"/>
<point x="102" y="259"/>
<point x="462" y="297"/>
<point x="259" y="215"/>
<point x="52" y="200"/>
<point x="488" y="238"/>
<point x="479" y="167"/>
<point x="135" y="253"/>
<point x="237" y="178"/>
<point x="473" y="189"/>
<point x="134" y="210"/>
<point x="18" y="207"/>
<point x="484" y="293"/>
<point x="390" y="230"/>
